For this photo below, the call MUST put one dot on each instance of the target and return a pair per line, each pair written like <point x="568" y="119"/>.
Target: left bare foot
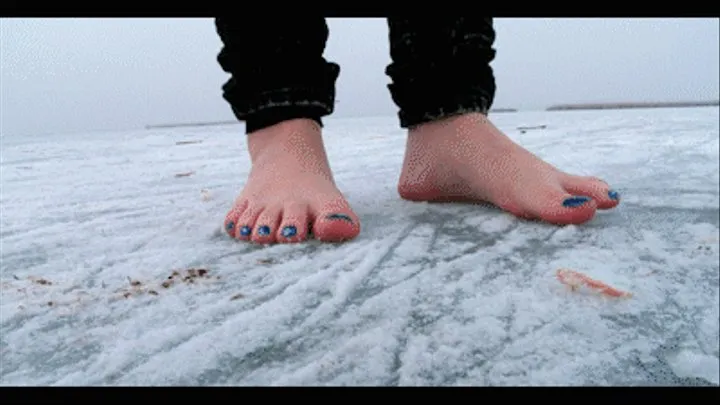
<point x="466" y="158"/>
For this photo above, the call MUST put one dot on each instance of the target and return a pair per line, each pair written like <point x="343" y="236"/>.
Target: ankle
<point x="462" y="123"/>
<point x="470" y="135"/>
<point x="284" y="136"/>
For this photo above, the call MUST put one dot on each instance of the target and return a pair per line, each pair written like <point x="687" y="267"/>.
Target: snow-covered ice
<point x="427" y="295"/>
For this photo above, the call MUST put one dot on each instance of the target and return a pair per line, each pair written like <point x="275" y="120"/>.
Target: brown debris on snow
<point x="177" y="276"/>
<point x="41" y="292"/>
<point x="37" y="280"/>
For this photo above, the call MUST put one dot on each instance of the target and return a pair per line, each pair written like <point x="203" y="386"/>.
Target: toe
<point x="593" y="187"/>
<point x="246" y="222"/>
<point x="335" y="223"/>
<point x="559" y="207"/>
<point x="231" y="219"/>
<point x="293" y="227"/>
<point x="266" y="226"/>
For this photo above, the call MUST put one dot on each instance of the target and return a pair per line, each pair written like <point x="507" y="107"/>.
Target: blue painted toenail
<point x="573" y="202"/>
<point x="245" y="231"/>
<point x="340" y="216"/>
<point x="264" y="230"/>
<point x="614" y="195"/>
<point x="289" y="231"/>
<point x="230" y="226"/>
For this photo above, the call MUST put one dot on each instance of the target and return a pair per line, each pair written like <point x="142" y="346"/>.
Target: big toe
<point x="559" y="207"/>
<point x="336" y="223"/>
<point x="594" y="188"/>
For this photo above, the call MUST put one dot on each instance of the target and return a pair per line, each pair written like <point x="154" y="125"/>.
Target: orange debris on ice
<point x="575" y="279"/>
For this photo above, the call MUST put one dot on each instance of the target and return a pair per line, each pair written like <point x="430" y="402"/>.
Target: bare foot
<point x="290" y="192"/>
<point x="466" y="158"/>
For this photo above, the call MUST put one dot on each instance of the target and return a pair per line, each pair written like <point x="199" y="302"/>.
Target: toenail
<point x="264" y="230"/>
<point x="230" y="226"/>
<point x="289" y="231"/>
<point x="340" y="216"/>
<point x="245" y="231"/>
<point x="614" y="195"/>
<point x="573" y="202"/>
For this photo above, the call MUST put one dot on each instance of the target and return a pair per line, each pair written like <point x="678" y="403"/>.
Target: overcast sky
<point x="70" y="75"/>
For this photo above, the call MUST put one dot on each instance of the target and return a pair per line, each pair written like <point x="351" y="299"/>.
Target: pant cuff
<point x="268" y="117"/>
<point x="272" y="107"/>
<point x="451" y="106"/>
<point x="273" y="95"/>
<point x="441" y="91"/>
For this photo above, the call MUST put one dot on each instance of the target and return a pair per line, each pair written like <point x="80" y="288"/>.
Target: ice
<point x="693" y="365"/>
<point x="428" y="294"/>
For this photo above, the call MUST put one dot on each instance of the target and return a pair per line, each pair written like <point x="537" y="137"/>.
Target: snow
<point x="428" y="294"/>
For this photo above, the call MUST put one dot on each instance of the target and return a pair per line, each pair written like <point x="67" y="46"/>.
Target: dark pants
<point x="440" y="67"/>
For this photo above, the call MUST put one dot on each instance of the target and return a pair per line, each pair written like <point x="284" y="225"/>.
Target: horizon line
<point x="551" y="108"/>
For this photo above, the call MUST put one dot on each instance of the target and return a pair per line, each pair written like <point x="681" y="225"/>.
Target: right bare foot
<point x="290" y="192"/>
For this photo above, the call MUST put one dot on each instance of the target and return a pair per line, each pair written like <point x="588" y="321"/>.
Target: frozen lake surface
<point x="427" y="295"/>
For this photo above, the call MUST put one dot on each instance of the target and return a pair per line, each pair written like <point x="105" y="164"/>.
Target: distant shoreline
<point x="622" y="106"/>
<point x="558" y="107"/>
<point x="191" y="124"/>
